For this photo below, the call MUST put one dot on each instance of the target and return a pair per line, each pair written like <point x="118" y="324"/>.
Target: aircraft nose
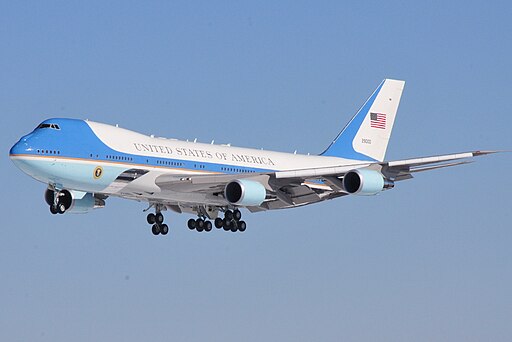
<point x="21" y="147"/>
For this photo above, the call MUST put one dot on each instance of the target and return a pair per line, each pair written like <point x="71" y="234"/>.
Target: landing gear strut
<point x="157" y="222"/>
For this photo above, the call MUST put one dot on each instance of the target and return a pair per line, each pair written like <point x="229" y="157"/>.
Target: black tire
<point x="164" y="229"/>
<point x="242" y="226"/>
<point x="155" y="229"/>
<point x="191" y="224"/>
<point x="234" y="226"/>
<point x="53" y="209"/>
<point x="61" y="208"/>
<point x="237" y="214"/>
<point x="228" y="215"/>
<point x="159" y="218"/>
<point x="151" y="218"/>
<point x="218" y="223"/>
<point x="199" y="225"/>
<point x="49" y="196"/>
<point x="208" y="226"/>
<point x="226" y="224"/>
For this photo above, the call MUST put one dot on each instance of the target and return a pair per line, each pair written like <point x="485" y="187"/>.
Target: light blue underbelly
<point x="72" y="174"/>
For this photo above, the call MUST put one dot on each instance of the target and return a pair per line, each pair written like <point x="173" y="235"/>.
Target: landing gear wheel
<point x="191" y="224"/>
<point x="228" y="215"/>
<point x="155" y="229"/>
<point x="61" y="208"/>
<point x="49" y="196"/>
<point x="237" y="215"/>
<point x="199" y="225"/>
<point x="53" y="209"/>
<point x="164" y="229"/>
<point x="159" y="218"/>
<point x="242" y="226"/>
<point x="234" y="226"/>
<point x="218" y="223"/>
<point x="151" y="218"/>
<point x="208" y="226"/>
<point x="226" y="224"/>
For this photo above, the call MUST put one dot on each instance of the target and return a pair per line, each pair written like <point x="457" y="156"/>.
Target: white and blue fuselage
<point x="85" y="162"/>
<point x="89" y="156"/>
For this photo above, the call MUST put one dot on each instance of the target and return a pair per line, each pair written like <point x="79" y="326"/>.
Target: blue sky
<point x="427" y="261"/>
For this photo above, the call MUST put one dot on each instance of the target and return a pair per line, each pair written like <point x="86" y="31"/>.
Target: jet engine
<point x="71" y="201"/>
<point x="365" y="182"/>
<point x="245" y="192"/>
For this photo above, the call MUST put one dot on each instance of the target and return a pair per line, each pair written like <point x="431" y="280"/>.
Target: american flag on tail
<point x="378" y="120"/>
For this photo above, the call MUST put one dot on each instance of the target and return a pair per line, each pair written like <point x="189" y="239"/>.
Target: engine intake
<point x="245" y="192"/>
<point x="365" y="182"/>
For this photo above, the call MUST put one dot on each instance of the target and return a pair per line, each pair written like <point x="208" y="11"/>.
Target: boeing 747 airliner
<point x="84" y="162"/>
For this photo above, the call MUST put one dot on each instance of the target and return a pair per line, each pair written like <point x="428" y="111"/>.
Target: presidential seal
<point x="98" y="171"/>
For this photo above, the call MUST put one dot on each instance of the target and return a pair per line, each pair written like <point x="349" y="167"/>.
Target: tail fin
<point x="367" y="134"/>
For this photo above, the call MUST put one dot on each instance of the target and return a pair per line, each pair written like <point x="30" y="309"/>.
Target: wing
<point x="403" y="169"/>
<point x="300" y="187"/>
<point x="392" y="171"/>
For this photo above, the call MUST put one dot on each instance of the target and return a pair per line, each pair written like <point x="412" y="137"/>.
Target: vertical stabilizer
<point x="366" y="136"/>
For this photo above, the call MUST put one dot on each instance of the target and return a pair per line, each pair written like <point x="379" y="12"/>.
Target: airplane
<point x="85" y="162"/>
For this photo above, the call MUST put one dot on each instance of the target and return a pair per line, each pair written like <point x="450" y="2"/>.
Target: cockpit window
<point x="47" y="125"/>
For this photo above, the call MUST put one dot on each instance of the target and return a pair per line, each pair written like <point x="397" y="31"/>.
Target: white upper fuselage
<point x="133" y="143"/>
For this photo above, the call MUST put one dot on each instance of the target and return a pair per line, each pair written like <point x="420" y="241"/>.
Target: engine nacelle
<point x="75" y="202"/>
<point x="245" y="192"/>
<point x="365" y="182"/>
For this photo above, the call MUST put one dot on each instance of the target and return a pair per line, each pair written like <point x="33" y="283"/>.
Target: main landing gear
<point x="200" y="224"/>
<point x="231" y="222"/>
<point x="157" y="222"/>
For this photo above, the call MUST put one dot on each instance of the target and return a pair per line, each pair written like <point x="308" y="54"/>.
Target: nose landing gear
<point x="59" y="201"/>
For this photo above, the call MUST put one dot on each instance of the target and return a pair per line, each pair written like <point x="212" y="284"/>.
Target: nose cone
<point x="21" y="147"/>
<point x="21" y="155"/>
